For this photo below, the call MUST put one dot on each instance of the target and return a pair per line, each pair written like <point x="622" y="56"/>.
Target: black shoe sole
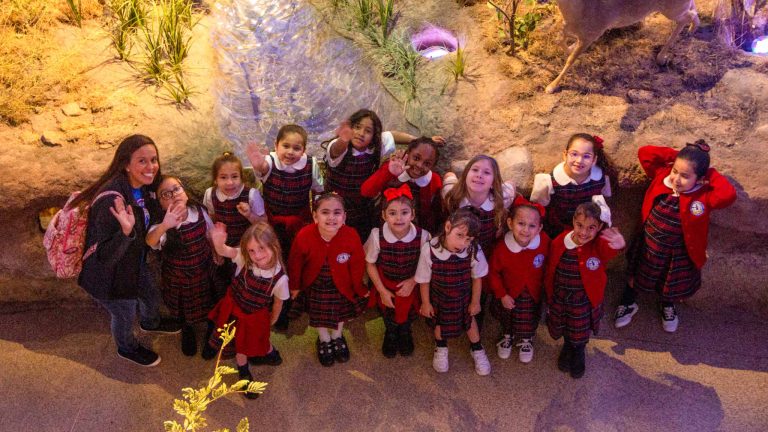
<point x="153" y="364"/>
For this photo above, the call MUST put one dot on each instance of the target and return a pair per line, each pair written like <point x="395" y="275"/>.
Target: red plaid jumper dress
<point x="187" y="269"/>
<point x="564" y="201"/>
<point x="226" y="213"/>
<point x="396" y="263"/>
<point x="571" y="315"/>
<point x="450" y="292"/>
<point x="522" y="321"/>
<point x="326" y="306"/>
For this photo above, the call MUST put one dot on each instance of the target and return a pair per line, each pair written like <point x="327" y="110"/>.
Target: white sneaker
<point x="624" y="314"/>
<point x="669" y="319"/>
<point x="526" y="351"/>
<point x="440" y="359"/>
<point x="482" y="365"/>
<point x="504" y="347"/>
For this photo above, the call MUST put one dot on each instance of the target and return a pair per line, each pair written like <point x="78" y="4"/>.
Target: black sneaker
<point x="271" y="359"/>
<point x="325" y="353"/>
<point x="141" y="356"/>
<point x="340" y="350"/>
<point x="188" y="341"/>
<point x="389" y="347"/>
<point x="564" y="359"/>
<point x="246" y="375"/>
<point x="405" y="344"/>
<point x="166" y="326"/>
<point x="578" y="361"/>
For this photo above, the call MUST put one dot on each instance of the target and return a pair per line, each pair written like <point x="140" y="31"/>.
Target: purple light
<point x="433" y="42"/>
<point x="760" y="45"/>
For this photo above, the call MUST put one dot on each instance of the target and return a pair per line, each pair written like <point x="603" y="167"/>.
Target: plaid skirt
<point x="658" y="260"/>
<point x="572" y="316"/>
<point x="189" y="299"/>
<point x="451" y="314"/>
<point x="522" y="321"/>
<point x="327" y="307"/>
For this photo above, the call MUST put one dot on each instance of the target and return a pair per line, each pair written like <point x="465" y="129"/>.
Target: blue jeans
<point x="123" y="312"/>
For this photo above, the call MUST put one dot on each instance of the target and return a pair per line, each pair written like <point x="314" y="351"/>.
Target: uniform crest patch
<point x="342" y="258"/>
<point x="538" y="260"/>
<point x="593" y="263"/>
<point x="697" y="208"/>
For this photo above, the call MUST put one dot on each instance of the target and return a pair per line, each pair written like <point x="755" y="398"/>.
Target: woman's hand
<point x="124" y="215"/>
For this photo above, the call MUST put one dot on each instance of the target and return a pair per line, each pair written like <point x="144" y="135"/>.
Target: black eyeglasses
<point x="170" y="193"/>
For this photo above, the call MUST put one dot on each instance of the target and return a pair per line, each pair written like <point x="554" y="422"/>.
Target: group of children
<point x="397" y="235"/>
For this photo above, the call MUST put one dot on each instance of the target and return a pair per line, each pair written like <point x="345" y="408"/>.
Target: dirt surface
<point x="614" y="90"/>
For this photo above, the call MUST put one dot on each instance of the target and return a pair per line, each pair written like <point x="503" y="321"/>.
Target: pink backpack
<point x="64" y="238"/>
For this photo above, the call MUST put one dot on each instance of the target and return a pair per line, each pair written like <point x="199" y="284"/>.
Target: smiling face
<point x="421" y="160"/>
<point x="329" y="217"/>
<point x="579" y="159"/>
<point x="228" y="180"/>
<point x="362" y="134"/>
<point x="480" y="177"/>
<point x="143" y="166"/>
<point x="260" y="254"/>
<point x="585" y="229"/>
<point x="171" y="192"/>
<point x="398" y="215"/>
<point x="457" y="238"/>
<point x="290" y="148"/>
<point x="525" y="225"/>
<point x="683" y="176"/>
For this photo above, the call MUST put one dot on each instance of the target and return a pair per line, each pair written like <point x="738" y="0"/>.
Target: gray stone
<point x="52" y="138"/>
<point x="72" y="109"/>
<point x="516" y="164"/>
<point x="457" y="166"/>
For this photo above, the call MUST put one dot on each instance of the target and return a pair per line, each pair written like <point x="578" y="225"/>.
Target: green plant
<point x="386" y="9"/>
<point x="175" y="22"/>
<point x="177" y="89"/>
<point x="517" y="29"/>
<point x="195" y="401"/>
<point x="399" y="61"/>
<point x="127" y="17"/>
<point x="77" y="11"/>
<point x="362" y="11"/>
<point x="458" y="64"/>
<point x="152" y="62"/>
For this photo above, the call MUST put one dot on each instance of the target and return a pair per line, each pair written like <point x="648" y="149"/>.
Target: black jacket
<point x="112" y="272"/>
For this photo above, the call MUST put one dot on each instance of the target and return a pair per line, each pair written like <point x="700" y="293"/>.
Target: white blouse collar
<point x="268" y="273"/>
<point x="668" y="183"/>
<point x="390" y="237"/>
<point x="442" y="253"/>
<point x="356" y="152"/>
<point x="569" y="243"/>
<point x="596" y="173"/>
<point x="514" y="246"/>
<point x="221" y="196"/>
<point x="296" y="166"/>
<point x="421" y="181"/>
<point x="487" y="205"/>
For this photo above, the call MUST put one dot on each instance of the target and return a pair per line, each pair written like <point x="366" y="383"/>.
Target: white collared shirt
<point x="424" y="269"/>
<point x="373" y="247"/>
<point x="192" y="216"/>
<point x="543" y="187"/>
<point x="280" y="287"/>
<point x="668" y="183"/>
<point x="514" y="246"/>
<point x="422" y="181"/>
<point x="569" y="243"/>
<point x="387" y="148"/>
<point x="317" y="179"/>
<point x="255" y="201"/>
<point x="507" y="190"/>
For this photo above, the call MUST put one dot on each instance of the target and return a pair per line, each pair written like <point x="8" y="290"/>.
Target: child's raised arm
<point x="337" y="147"/>
<point x="406" y="138"/>
<point x="723" y="193"/>
<point x="171" y="220"/>
<point x="219" y="239"/>
<point x="258" y="158"/>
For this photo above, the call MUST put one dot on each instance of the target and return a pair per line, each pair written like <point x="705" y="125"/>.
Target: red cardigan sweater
<point x="427" y="209"/>
<point x="695" y="207"/>
<point x="593" y="258"/>
<point x="512" y="273"/>
<point x="345" y="256"/>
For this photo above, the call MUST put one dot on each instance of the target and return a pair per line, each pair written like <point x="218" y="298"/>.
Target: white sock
<point x="324" y="335"/>
<point x="335" y="334"/>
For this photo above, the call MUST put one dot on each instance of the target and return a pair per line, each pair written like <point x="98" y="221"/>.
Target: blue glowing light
<point x="760" y="45"/>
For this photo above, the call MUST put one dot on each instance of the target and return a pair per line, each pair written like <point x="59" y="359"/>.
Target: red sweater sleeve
<point x="375" y="183"/>
<point x="495" y="278"/>
<point x="654" y="158"/>
<point x="722" y="192"/>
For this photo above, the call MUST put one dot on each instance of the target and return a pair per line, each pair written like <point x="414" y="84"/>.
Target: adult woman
<point x="116" y="274"/>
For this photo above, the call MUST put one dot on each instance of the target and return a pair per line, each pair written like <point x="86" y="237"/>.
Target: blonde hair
<point x="453" y="198"/>
<point x="262" y="232"/>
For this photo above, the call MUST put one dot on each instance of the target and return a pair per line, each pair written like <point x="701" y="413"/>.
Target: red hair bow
<point x="598" y="142"/>
<point x="521" y="201"/>
<point x="395" y="193"/>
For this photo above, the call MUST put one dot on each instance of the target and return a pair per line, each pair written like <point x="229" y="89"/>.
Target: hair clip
<point x="701" y="145"/>
<point x="598" y="142"/>
<point x="226" y="153"/>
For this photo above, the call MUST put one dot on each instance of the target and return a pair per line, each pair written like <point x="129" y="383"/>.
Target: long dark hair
<point x="355" y="119"/>
<point x="463" y="217"/>
<point x="120" y="161"/>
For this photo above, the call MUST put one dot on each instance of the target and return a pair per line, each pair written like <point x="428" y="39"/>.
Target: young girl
<point x="259" y="280"/>
<point x="327" y="263"/>
<point x="583" y="176"/>
<point x="575" y="281"/>
<point x="288" y="177"/>
<point x="353" y="157"/>
<point x="667" y="258"/>
<point x="516" y="277"/>
<point x="392" y="253"/>
<point x="187" y="259"/>
<point x="449" y="272"/>
<point x="414" y="168"/>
